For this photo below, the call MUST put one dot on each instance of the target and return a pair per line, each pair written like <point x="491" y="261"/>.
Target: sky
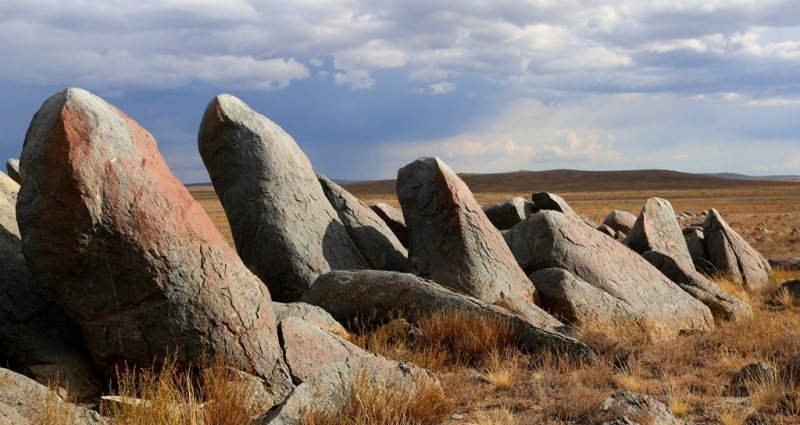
<point x="365" y="87"/>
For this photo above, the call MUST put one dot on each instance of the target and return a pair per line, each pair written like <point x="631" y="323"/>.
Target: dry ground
<point x="691" y="373"/>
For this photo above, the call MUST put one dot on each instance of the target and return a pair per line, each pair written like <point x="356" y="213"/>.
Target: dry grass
<point x="690" y="373"/>
<point x="384" y="402"/>
<point x="50" y="408"/>
<point x="167" y="396"/>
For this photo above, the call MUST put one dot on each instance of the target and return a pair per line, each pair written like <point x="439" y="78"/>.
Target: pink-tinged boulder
<point x="620" y="221"/>
<point x="731" y="255"/>
<point x="452" y="242"/>
<point x="376" y="242"/>
<point x="284" y="228"/>
<point x="128" y="253"/>
<point x="393" y="217"/>
<point x="552" y="239"/>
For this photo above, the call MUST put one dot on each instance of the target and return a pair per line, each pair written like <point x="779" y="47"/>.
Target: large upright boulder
<point x="129" y="254"/>
<point x="659" y="238"/>
<point x="452" y="242"/>
<point x="373" y="237"/>
<point x="731" y="255"/>
<point x="550" y="239"/>
<point x="657" y="229"/>
<point x="283" y="226"/>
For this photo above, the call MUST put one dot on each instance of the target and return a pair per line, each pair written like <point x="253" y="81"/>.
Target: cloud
<point x="442" y="87"/>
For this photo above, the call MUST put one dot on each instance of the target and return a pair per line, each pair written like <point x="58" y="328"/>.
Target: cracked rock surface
<point x="283" y="226"/>
<point x="129" y="254"/>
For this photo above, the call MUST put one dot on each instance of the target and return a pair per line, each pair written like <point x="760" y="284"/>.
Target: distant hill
<point x="581" y="181"/>
<point x="746" y="177"/>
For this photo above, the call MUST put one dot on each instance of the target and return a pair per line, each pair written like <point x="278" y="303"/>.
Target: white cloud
<point x="442" y="87"/>
<point x="774" y="101"/>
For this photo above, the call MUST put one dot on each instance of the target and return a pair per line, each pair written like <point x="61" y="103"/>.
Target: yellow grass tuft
<point x="368" y="402"/>
<point x="169" y="396"/>
<point x="733" y="288"/>
<point x="50" y="408"/>
<point x="504" y="369"/>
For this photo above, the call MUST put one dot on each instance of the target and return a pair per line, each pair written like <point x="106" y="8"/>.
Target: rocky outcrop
<point x="731" y="255"/>
<point x="657" y="235"/>
<point x="453" y="243"/>
<point x="549" y="239"/>
<point x="12" y="166"/>
<point x="380" y="295"/>
<point x="376" y="242"/>
<point x="508" y="212"/>
<point x="696" y="242"/>
<point x="393" y="217"/>
<point x="284" y="228"/>
<point x="138" y="265"/>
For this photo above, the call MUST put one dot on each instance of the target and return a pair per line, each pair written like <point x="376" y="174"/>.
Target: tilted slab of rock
<point x="35" y="334"/>
<point x="657" y="229"/>
<point x="309" y="313"/>
<point x="284" y="229"/>
<point x="129" y="254"/>
<point x="723" y="305"/>
<point x="508" y="212"/>
<point x="12" y="166"/>
<point x="393" y="217"/>
<point x="373" y="237"/>
<point x="551" y="239"/>
<point x="573" y="300"/>
<point x="453" y="243"/>
<point x="696" y="242"/>
<point x="380" y="295"/>
<point x="731" y="255"/>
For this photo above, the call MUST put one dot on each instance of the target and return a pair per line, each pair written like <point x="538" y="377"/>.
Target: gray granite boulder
<point x="373" y="237"/>
<point x="284" y="228"/>
<point x="659" y="238"/>
<point x="657" y="229"/>
<point x="8" y="201"/>
<point x="550" y="239"/>
<point x="508" y="212"/>
<point x="731" y="255"/>
<point x="138" y="264"/>
<point x="28" y="401"/>
<point x="627" y="407"/>
<point x="452" y="242"/>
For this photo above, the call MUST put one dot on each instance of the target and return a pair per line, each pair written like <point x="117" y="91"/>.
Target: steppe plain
<point x="691" y="375"/>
